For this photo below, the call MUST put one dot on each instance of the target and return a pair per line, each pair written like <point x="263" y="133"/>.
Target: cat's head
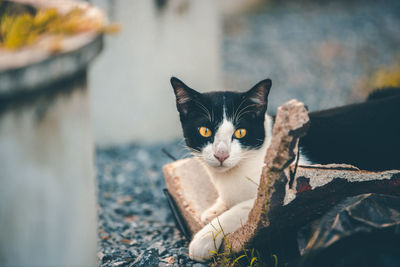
<point x="222" y="128"/>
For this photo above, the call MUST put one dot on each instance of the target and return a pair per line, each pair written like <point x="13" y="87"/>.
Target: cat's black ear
<point x="259" y="94"/>
<point x="184" y="95"/>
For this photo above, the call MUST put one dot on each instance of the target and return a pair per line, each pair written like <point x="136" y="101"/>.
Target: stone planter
<point x="47" y="186"/>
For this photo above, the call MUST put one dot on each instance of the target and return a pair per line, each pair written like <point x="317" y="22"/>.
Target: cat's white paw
<point x="212" y="212"/>
<point x="208" y="215"/>
<point x="203" y="244"/>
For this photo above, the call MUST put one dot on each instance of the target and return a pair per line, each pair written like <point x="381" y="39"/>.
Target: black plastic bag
<point x="360" y="231"/>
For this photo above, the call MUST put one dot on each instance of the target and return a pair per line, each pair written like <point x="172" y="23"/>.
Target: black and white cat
<point x="230" y="133"/>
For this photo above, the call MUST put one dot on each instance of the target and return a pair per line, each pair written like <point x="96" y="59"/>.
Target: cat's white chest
<point x="237" y="189"/>
<point x="239" y="184"/>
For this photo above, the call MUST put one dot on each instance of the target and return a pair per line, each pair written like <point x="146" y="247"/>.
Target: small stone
<point x="147" y="258"/>
<point x="169" y="260"/>
<point x="179" y="243"/>
<point x="162" y="251"/>
<point x="134" y="252"/>
<point x="130" y="218"/>
<point x="118" y="263"/>
<point x="126" y="241"/>
<point x="124" y="199"/>
<point x="100" y="255"/>
<point x="184" y="251"/>
<point x="182" y="261"/>
<point x="199" y="265"/>
<point x="147" y="211"/>
<point x="106" y="258"/>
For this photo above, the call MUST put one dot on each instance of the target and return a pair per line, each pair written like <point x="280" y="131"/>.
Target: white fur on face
<point x="223" y="143"/>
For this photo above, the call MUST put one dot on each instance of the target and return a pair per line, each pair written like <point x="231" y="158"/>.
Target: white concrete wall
<point x="132" y="100"/>
<point x="47" y="187"/>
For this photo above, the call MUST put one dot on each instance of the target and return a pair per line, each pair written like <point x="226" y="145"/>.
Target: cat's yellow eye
<point x="240" y="133"/>
<point x="205" y="132"/>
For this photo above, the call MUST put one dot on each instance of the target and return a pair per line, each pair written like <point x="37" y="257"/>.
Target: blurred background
<point x="324" y="53"/>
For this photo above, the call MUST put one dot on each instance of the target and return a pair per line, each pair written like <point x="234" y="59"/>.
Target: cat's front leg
<point x="215" y="210"/>
<point x="211" y="236"/>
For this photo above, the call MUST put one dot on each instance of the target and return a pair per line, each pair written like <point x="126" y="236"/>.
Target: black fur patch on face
<point x="244" y="110"/>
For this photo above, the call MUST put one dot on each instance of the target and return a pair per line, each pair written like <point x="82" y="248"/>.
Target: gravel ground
<point x="136" y="227"/>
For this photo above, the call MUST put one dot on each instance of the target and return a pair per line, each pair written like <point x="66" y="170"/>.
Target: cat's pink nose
<point x="221" y="156"/>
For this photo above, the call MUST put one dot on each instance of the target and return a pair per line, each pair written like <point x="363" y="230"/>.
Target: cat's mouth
<point x="221" y="167"/>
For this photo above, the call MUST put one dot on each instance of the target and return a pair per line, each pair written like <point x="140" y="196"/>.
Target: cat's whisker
<point x="251" y="180"/>
<point x="198" y="103"/>
<point x="206" y="116"/>
<point x="204" y="108"/>
<point x="182" y="141"/>
<point x="183" y="146"/>
<point x="245" y="108"/>
<point x="242" y="114"/>
<point x="193" y="150"/>
<point x="186" y="151"/>
<point x="243" y="111"/>
<point x="261" y="140"/>
<point x="238" y="109"/>
<point x="187" y="155"/>
<point x="233" y="112"/>
<point x="244" y="157"/>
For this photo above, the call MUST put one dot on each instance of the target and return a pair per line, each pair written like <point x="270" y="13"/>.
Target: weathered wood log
<point x="289" y="196"/>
